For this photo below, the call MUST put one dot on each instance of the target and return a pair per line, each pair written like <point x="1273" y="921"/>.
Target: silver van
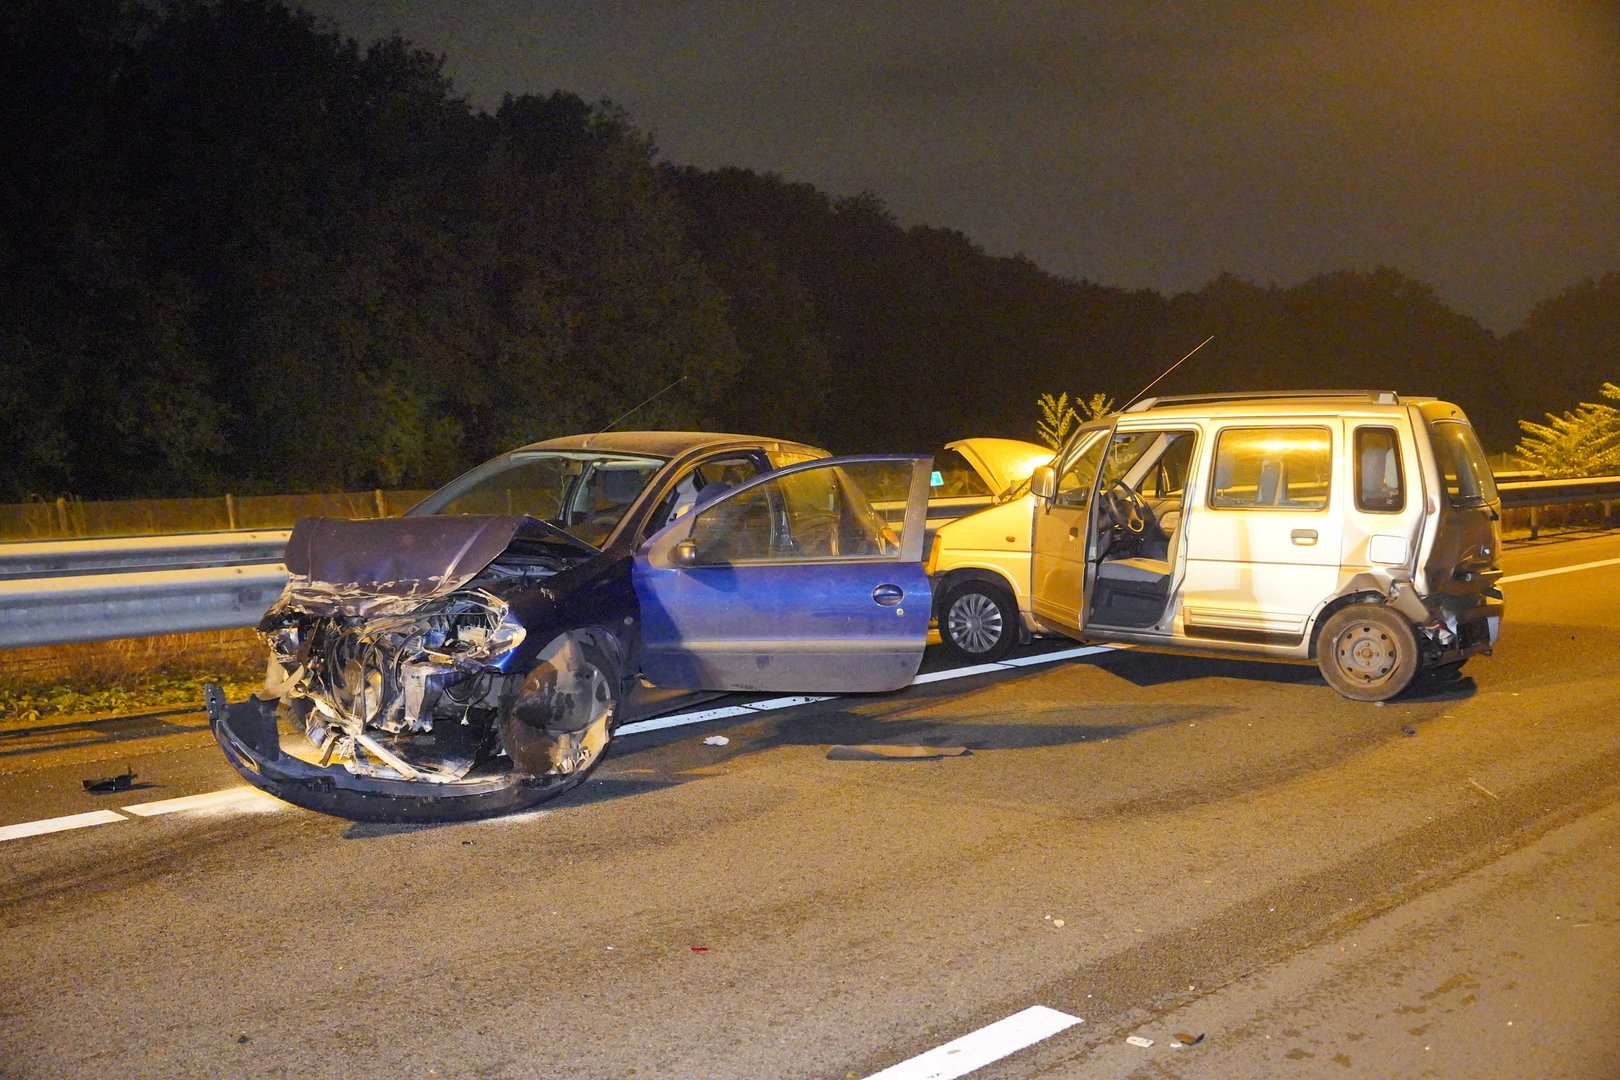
<point x="1360" y="528"/>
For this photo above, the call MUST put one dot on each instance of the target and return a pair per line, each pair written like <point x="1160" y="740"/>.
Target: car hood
<point x="1002" y="462"/>
<point x="343" y="565"/>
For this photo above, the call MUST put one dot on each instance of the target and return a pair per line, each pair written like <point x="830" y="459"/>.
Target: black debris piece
<point x="122" y="782"/>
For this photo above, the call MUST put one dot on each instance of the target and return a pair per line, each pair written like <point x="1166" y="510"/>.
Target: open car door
<point x="792" y="582"/>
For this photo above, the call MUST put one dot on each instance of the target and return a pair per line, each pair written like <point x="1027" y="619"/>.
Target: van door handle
<point x="1303" y="537"/>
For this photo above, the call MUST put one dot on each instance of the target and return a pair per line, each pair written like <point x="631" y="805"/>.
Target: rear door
<point x="792" y="582"/>
<point x="1265" y="549"/>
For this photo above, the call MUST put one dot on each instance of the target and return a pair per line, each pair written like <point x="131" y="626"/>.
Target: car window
<point x="1275" y="467"/>
<point x="815" y="514"/>
<point x="701" y="483"/>
<point x="953" y="476"/>
<point x="1079" y="471"/>
<point x="583" y="492"/>
<point x="1380" y="487"/>
<point x="1463" y="466"/>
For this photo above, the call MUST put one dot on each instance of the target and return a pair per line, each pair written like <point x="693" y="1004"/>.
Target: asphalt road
<point x="1152" y="846"/>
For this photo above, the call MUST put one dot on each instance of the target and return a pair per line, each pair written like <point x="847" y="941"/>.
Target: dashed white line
<point x="60" y="824"/>
<point x="236" y="798"/>
<point x="979" y="1048"/>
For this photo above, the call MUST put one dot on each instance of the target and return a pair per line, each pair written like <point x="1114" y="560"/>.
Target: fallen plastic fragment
<point x="1137" y="1040"/>
<point x="716" y="740"/>
<point x="881" y="752"/>
<point x="700" y="948"/>
<point x="1057" y="922"/>
<point x="1184" y="1039"/>
<point x="122" y="782"/>
<point x="1408" y="730"/>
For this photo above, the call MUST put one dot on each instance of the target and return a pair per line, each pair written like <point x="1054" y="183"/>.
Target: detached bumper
<point x="251" y="738"/>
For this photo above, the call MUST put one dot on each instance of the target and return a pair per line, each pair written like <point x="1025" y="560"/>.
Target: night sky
<point x="1473" y="146"/>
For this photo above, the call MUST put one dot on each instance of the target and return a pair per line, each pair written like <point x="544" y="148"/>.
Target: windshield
<point x="1462" y="463"/>
<point x="583" y="492"/>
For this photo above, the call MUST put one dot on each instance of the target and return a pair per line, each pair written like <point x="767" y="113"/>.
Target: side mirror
<point x="1043" y="482"/>
<point x="684" y="553"/>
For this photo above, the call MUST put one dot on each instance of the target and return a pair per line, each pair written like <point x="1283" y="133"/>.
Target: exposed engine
<point x="411" y="695"/>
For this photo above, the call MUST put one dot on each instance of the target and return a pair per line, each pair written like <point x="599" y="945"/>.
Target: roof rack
<point x="1379" y="397"/>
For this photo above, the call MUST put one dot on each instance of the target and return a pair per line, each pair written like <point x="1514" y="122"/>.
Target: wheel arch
<point x="1332" y="607"/>
<point x="943" y="583"/>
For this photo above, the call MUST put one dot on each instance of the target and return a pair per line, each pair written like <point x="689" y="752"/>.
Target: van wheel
<point x="978" y="621"/>
<point x="1367" y="652"/>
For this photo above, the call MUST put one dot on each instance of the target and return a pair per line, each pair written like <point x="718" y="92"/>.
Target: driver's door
<point x="1061" y="539"/>
<point x="791" y="582"/>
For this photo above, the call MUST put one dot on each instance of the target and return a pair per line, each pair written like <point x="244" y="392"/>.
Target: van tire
<point x="1368" y="652"/>
<point x="978" y="621"/>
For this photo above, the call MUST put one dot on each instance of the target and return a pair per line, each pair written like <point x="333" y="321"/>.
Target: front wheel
<point x="978" y="621"/>
<point x="1367" y="652"/>
<point x="560" y="725"/>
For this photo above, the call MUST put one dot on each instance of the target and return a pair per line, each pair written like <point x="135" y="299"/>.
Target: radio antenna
<point x="1167" y="371"/>
<point x="660" y="394"/>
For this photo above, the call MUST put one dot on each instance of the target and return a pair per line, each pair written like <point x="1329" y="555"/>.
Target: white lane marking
<point x="60" y="824"/>
<point x="659" y="723"/>
<point x="1066" y="654"/>
<point x="956" y="673"/>
<point x="978" y="1049"/>
<point x="229" y="799"/>
<point x="1558" y="570"/>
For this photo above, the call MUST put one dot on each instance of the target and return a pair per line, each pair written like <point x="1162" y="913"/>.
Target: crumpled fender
<point x="250" y="736"/>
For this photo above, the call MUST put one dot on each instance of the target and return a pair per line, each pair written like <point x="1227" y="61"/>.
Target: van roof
<point x="1276" y="401"/>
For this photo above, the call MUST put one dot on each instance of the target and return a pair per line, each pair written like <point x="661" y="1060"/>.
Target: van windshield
<point x="1462" y="463"/>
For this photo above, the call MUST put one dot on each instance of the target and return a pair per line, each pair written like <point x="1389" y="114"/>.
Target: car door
<point x="1062" y="537"/>
<point x="1266" y="549"/>
<point x="792" y="582"/>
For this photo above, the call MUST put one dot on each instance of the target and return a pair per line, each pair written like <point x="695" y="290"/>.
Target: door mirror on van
<point x="1043" y="482"/>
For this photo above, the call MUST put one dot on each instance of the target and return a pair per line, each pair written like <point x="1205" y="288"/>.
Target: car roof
<point x="666" y="444"/>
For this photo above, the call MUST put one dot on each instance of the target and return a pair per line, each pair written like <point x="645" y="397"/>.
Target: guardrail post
<point x="230" y="510"/>
<point x="382" y="506"/>
<point x="1535" y="521"/>
<point x="62" y="516"/>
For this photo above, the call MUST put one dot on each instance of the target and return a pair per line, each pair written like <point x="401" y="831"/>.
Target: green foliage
<point x="1585" y="442"/>
<point x="1059" y="417"/>
<point x="241" y="252"/>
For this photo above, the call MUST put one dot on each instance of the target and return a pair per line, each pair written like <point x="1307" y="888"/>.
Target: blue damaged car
<point x="475" y="656"/>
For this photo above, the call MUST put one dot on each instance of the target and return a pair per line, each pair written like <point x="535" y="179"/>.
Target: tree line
<point x="243" y="252"/>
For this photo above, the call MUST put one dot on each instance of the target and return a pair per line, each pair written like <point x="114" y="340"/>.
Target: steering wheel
<point x="1126" y="507"/>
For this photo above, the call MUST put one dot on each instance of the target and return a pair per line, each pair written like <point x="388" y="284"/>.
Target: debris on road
<point x="880" y="752"/>
<point x="1184" y="1039"/>
<point x="122" y="782"/>
<point x="716" y="740"/>
<point x="1408" y="730"/>
<point x="1138" y="1040"/>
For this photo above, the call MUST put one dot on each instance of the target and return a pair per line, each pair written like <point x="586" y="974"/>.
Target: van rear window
<point x="1463" y="466"/>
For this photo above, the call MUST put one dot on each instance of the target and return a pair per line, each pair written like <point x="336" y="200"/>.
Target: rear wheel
<point x="978" y="621"/>
<point x="1367" y="652"/>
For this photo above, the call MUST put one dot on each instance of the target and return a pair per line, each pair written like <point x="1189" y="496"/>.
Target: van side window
<point x="1283" y="467"/>
<point x="1379" y="485"/>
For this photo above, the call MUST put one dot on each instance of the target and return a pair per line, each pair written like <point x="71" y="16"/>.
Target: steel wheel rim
<point x="1366" y="654"/>
<point x="975" y="623"/>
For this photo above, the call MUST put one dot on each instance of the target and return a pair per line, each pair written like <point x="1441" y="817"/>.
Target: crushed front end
<point x="387" y="685"/>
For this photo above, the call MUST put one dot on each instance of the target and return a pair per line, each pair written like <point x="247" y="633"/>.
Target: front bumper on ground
<point x="249" y="734"/>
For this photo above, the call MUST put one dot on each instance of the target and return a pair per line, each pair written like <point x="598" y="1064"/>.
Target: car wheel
<point x="1367" y="652"/>
<point x="559" y="728"/>
<point x="978" y="621"/>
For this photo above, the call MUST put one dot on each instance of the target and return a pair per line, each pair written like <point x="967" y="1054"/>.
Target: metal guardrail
<point x="54" y="593"/>
<point x="127" y="554"/>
